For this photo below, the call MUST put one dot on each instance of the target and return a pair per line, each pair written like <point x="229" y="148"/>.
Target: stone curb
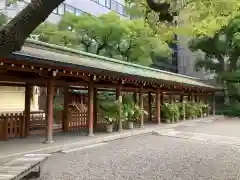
<point x="96" y="140"/>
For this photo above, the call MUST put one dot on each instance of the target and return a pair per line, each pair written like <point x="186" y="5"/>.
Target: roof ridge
<point x="78" y="52"/>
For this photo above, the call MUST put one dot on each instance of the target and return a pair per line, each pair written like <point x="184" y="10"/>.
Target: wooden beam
<point x="90" y="107"/>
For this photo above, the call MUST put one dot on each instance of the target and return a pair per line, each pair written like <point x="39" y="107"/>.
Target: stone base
<point x="91" y="135"/>
<point x="48" y="142"/>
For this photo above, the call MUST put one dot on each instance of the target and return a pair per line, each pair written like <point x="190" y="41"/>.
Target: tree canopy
<point x="200" y="17"/>
<point x="221" y="52"/>
<point x="195" y="17"/>
<point x="108" y="35"/>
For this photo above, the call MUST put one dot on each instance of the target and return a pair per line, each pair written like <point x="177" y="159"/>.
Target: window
<point x="69" y="9"/>
<point x="120" y="9"/>
<point x="114" y="5"/>
<point x="78" y="12"/>
<point x="124" y="11"/>
<point x="61" y="9"/>
<point x="108" y="4"/>
<point x="102" y="2"/>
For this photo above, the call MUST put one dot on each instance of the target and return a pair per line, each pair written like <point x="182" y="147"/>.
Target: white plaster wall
<point x="12" y="99"/>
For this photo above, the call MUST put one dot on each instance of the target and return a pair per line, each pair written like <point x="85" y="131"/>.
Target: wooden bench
<point x="21" y="167"/>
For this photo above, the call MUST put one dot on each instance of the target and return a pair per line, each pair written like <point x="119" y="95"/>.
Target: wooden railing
<point x="11" y="125"/>
<point x="100" y="118"/>
<point x="37" y="120"/>
<point x="77" y="120"/>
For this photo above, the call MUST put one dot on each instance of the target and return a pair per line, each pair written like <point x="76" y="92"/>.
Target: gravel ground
<point x="147" y="157"/>
<point x="224" y="127"/>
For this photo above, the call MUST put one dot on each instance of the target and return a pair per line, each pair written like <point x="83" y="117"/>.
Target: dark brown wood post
<point x="181" y="97"/>
<point x="141" y="107"/>
<point x="27" y="110"/>
<point x="90" y="107"/>
<point x="170" y="98"/>
<point x="95" y="108"/>
<point x="119" y="98"/>
<point x="213" y="104"/>
<point x="49" y="108"/>
<point x="135" y="97"/>
<point x="189" y="97"/>
<point x="162" y="98"/>
<point x="65" y="120"/>
<point x="149" y="106"/>
<point x="158" y="107"/>
<point x="196" y="97"/>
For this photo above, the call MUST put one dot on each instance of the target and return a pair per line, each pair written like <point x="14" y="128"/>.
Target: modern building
<point x="182" y="62"/>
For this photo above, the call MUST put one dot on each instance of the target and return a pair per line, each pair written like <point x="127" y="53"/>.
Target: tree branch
<point x="13" y="35"/>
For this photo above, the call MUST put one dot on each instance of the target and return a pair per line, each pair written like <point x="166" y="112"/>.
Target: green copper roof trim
<point x="70" y="50"/>
<point x="71" y="56"/>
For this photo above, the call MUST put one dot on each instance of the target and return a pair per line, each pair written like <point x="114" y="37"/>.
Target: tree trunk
<point x="13" y="35"/>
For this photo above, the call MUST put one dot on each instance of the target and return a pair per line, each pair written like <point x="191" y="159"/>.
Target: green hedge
<point x="229" y="110"/>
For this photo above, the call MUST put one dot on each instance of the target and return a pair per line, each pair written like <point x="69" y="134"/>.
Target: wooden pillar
<point x="119" y="98"/>
<point x="27" y="110"/>
<point x="141" y="107"/>
<point x="135" y="97"/>
<point x="158" y="107"/>
<point x="173" y="98"/>
<point x="181" y="97"/>
<point x="49" y="108"/>
<point x="170" y="98"/>
<point x="161" y="98"/>
<point x="90" y="107"/>
<point x="95" y="108"/>
<point x="213" y="104"/>
<point x="196" y="99"/>
<point x="189" y="97"/>
<point x="149" y="106"/>
<point x="65" y="120"/>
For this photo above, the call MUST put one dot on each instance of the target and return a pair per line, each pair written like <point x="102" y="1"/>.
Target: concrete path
<point x="14" y="148"/>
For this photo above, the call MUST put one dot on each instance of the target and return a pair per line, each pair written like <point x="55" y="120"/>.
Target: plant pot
<point x="130" y="125"/>
<point x="109" y="128"/>
<point x="167" y="121"/>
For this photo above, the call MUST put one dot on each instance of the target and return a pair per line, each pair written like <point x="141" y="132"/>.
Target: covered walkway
<point x="50" y="66"/>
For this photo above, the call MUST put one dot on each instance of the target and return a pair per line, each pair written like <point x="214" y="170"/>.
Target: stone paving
<point x="171" y="154"/>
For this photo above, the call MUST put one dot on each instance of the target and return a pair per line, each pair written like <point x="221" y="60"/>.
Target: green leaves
<point x="106" y="35"/>
<point x="3" y="19"/>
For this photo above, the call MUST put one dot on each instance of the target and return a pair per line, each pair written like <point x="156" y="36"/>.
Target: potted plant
<point x="166" y="114"/>
<point x="109" y="123"/>
<point x="111" y="112"/>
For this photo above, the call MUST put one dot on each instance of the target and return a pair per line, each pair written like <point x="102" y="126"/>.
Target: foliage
<point x="50" y="33"/>
<point x="170" y="112"/>
<point x="107" y="35"/>
<point x="3" y="19"/>
<point x="232" y="109"/>
<point x="110" y="109"/>
<point x="195" y="109"/>
<point x="131" y="112"/>
<point x="221" y="55"/>
<point x="173" y="112"/>
<point x="181" y="108"/>
<point x="196" y="17"/>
